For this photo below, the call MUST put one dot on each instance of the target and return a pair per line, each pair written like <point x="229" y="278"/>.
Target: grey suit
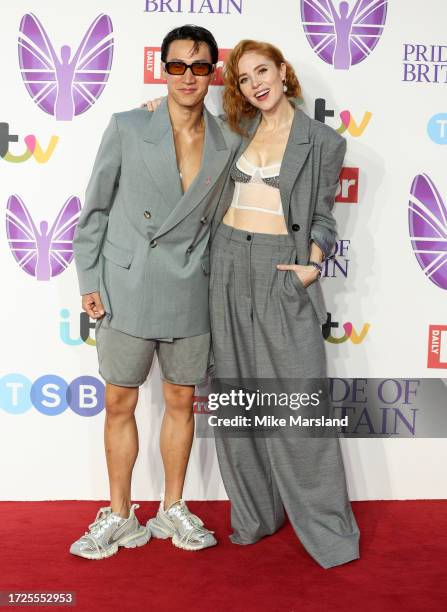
<point x="266" y="334"/>
<point x="308" y="182"/>
<point x="140" y="241"/>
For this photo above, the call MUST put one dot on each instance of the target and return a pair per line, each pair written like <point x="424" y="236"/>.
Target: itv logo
<point x="33" y="148"/>
<point x="354" y="127"/>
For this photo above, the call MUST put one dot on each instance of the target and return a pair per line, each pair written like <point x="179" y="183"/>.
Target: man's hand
<point x="91" y="303"/>
<point x="152" y="105"/>
<point x="306" y="274"/>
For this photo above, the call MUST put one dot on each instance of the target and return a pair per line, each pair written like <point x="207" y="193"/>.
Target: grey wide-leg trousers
<point x="264" y="327"/>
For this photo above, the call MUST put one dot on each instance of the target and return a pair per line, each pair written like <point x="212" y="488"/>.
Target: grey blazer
<point x="308" y="182"/>
<point x="140" y="241"/>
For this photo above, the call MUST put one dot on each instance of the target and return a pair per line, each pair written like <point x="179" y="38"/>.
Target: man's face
<point x="186" y="89"/>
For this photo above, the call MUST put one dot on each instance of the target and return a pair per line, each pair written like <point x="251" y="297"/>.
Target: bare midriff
<point x="255" y="221"/>
<point x="256" y="205"/>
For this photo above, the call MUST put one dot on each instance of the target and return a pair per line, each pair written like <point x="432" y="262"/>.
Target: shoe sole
<point x="191" y="547"/>
<point x="140" y="538"/>
<point x="163" y="534"/>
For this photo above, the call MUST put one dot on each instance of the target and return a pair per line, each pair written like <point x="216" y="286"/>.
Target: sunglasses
<point x="198" y="69"/>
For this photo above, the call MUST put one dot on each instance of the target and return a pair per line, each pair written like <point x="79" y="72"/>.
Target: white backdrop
<point x="60" y="456"/>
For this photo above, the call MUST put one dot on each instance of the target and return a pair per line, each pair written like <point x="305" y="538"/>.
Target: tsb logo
<point x="51" y="395"/>
<point x="153" y="68"/>
<point x="348" y="188"/>
<point x="437" y="128"/>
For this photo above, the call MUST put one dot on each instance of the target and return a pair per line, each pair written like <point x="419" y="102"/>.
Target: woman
<point x="272" y="230"/>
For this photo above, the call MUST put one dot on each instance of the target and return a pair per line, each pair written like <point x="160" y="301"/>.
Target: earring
<point x="284" y="86"/>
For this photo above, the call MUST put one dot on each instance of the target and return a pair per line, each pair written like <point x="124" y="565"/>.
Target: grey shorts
<point x="126" y="360"/>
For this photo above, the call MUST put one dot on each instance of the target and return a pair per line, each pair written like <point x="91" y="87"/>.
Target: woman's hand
<point x="152" y="105"/>
<point x="306" y="274"/>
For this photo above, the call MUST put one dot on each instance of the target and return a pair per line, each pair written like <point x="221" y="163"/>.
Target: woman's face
<point x="260" y="80"/>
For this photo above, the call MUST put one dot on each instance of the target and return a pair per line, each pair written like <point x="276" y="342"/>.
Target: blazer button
<point x="203" y="220"/>
<point x="147" y="214"/>
<point x="153" y="243"/>
<point x="295" y="227"/>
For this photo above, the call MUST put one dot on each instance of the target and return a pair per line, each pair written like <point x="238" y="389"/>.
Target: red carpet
<point x="403" y="564"/>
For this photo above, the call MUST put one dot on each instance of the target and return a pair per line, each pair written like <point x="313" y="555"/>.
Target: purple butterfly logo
<point x="45" y="253"/>
<point x="346" y="36"/>
<point x="67" y="86"/>
<point x="427" y="220"/>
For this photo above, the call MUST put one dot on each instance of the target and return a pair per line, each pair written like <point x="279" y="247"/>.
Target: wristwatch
<point x="315" y="264"/>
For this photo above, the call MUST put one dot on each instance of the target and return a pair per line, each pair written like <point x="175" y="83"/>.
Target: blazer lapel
<point x="214" y="158"/>
<point x="159" y="155"/>
<point x="295" y="155"/>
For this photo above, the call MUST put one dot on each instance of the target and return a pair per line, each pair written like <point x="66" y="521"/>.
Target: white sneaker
<point x="185" y="528"/>
<point x="108" y="532"/>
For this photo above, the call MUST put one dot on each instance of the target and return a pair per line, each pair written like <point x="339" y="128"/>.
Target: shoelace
<point x="197" y="531"/>
<point x="102" y="520"/>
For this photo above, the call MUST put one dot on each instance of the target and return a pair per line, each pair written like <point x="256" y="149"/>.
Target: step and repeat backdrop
<point x="376" y="71"/>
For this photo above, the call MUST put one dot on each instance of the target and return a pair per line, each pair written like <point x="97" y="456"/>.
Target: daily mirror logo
<point x="65" y="84"/>
<point x="343" y="33"/>
<point x="437" y="347"/>
<point x="153" y="67"/>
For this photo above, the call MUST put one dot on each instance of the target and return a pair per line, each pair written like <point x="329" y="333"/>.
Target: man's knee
<point x="178" y="398"/>
<point x="120" y="401"/>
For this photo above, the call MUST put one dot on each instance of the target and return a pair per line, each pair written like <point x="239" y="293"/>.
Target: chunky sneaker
<point x="185" y="528"/>
<point x="108" y="532"/>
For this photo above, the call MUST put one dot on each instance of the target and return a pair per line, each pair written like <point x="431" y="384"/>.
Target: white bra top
<point x="256" y="187"/>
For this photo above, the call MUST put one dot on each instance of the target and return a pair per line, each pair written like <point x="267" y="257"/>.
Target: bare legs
<point x="121" y="441"/>
<point x="177" y="432"/>
<point x="121" y="444"/>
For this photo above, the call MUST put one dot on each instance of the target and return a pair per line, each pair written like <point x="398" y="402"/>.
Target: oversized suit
<point x="140" y="241"/>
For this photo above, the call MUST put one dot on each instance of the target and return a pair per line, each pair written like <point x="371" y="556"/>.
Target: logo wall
<point x="69" y="84"/>
<point x="345" y="35"/>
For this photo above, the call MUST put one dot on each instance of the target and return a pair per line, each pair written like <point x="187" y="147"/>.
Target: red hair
<point x="235" y="105"/>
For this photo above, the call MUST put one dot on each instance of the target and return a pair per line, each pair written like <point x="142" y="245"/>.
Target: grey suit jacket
<point x="308" y="182"/>
<point x="140" y="241"/>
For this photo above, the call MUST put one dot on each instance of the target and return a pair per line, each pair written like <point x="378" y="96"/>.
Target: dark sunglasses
<point x="198" y="69"/>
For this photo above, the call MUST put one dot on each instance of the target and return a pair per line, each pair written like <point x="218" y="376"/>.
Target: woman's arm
<point x="323" y="230"/>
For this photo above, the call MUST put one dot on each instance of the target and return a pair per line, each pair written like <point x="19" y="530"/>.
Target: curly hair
<point x="236" y="106"/>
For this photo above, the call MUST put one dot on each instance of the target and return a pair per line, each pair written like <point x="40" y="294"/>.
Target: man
<point x="141" y="252"/>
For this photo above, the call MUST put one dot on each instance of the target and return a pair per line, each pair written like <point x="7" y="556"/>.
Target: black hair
<point x="194" y="33"/>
